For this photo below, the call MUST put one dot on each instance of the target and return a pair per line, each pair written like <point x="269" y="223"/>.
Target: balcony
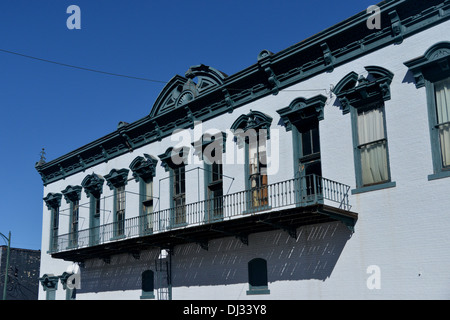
<point x="284" y="205"/>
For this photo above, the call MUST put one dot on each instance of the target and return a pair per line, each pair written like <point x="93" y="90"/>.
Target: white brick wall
<point x="402" y="230"/>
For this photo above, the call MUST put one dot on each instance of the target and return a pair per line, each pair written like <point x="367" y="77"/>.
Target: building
<point x="23" y="273"/>
<point x="319" y="172"/>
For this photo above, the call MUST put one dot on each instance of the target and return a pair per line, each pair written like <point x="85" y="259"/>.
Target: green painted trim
<point x="53" y="200"/>
<point x="431" y="65"/>
<point x="380" y="186"/>
<point x="72" y="193"/>
<point x="93" y="185"/>
<point x="257" y="290"/>
<point x="439" y="175"/>
<point x="301" y="111"/>
<point x="290" y="66"/>
<point x="117" y="178"/>
<point x="144" y="167"/>
<point x="180" y="155"/>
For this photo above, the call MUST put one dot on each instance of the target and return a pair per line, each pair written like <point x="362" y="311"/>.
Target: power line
<point x="80" y="68"/>
<point x="123" y="75"/>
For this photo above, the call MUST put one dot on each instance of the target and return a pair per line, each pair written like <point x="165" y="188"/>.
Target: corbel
<point x="157" y="129"/>
<point x="272" y="79"/>
<point x="82" y="163"/>
<point x="396" y="26"/>
<point x="328" y="57"/>
<point x="190" y="116"/>
<point x="228" y="100"/>
<point x="104" y="153"/>
<point x="62" y="171"/>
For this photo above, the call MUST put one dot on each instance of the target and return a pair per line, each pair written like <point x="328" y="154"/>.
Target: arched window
<point x="257" y="277"/>
<point x="148" y="284"/>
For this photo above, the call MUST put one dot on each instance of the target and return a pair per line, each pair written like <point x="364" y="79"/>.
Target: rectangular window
<point x="55" y="229"/>
<point x="372" y="145"/>
<point x="179" y="195"/>
<point x="309" y="161"/>
<point x="74" y="223"/>
<point x="442" y="101"/>
<point x="215" y="191"/>
<point x="120" y="211"/>
<point x="147" y="206"/>
<point x="257" y="168"/>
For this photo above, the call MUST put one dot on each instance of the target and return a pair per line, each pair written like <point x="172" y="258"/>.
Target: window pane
<point x="442" y="91"/>
<point x="306" y="143"/>
<point x="315" y="140"/>
<point x="374" y="163"/>
<point x="370" y="125"/>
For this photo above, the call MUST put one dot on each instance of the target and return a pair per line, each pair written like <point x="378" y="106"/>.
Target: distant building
<point x="320" y="172"/>
<point x="23" y="274"/>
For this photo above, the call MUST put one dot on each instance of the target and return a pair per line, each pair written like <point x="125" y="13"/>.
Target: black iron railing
<point x="302" y="191"/>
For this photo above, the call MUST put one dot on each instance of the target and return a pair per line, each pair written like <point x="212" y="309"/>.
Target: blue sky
<point x="60" y="109"/>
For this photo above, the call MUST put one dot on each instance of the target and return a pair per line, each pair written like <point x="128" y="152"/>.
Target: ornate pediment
<point x="117" y="178"/>
<point x="93" y="185"/>
<point x="432" y="65"/>
<point x="180" y="90"/>
<point x="72" y="193"/>
<point x="354" y="90"/>
<point x="302" y="111"/>
<point x="144" y="167"/>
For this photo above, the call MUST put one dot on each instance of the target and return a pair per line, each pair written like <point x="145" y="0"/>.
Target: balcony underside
<point x="287" y="220"/>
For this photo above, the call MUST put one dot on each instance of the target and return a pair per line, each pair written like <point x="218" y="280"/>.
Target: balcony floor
<point x="288" y="220"/>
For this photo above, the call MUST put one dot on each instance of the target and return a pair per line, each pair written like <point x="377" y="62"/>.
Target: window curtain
<point x="442" y="89"/>
<point x="372" y="145"/>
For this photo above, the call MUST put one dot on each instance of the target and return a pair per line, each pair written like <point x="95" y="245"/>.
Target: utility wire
<point x="120" y="75"/>
<point x="80" y="68"/>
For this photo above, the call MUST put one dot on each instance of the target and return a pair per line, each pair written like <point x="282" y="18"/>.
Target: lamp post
<point x="7" y="262"/>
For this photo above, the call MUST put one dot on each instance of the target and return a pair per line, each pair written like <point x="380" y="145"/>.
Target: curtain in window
<point x="442" y="89"/>
<point x="372" y="145"/>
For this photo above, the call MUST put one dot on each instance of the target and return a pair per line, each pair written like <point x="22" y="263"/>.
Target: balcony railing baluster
<point x="306" y="190"/>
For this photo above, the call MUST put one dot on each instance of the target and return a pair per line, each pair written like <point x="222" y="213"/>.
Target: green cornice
<point x="302" y="110"/>
<point x="436" y="60"/>
<point x="173" y="158"/>
<point x="271" y="73"/>
<point x="144" y="167"/>
<point x="53" y="200"/>
<point x="93" y="185"/>
<point x="117" y="178"/>
<point x="72" y="193"/>
<point x="354" y="91"/>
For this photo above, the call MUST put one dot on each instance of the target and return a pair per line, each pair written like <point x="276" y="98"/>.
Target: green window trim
<point x="72" y="194"/>
<point x="364" y="98"/>
<point x="53" y="203"/>
<point x="174" y="161"/>
<point x="93" y="187"/>
<point x="117" y="180"/>
<point x="144" y="170"/>
<point x="430" y="68"/>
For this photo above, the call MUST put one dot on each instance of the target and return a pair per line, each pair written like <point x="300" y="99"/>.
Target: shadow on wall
<point x="313" y="255"/>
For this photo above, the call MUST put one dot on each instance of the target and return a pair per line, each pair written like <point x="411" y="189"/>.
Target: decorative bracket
<point x="328" y="57"/>
<point x="228" y="100"/>
<point x="242" y="237"/>
<point x="397" y="27"/>
<point x="290" y="230"/>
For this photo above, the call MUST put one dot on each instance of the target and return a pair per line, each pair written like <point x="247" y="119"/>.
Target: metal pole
<point x="7" y="263"/>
